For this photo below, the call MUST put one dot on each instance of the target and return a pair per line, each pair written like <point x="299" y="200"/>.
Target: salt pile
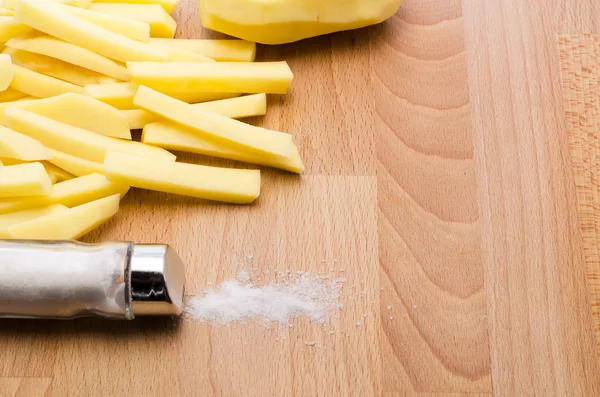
<point x="233" y="301"/>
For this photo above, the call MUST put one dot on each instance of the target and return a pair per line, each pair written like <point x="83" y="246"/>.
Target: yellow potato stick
<point x="178" y="55"/>
<point x="136" y="30"/>
<point x="83" y="112"/>
<point x="5" y="12"/>
<point x="12" y="4"/>
<point x="161" y="23"/>
<point x="244" y="77"/>
<point x="70" y="53"/>
<point x="4" y="105"/>
<point x="167" y="5"/>
<point x="10" y="28"/>
<point x="13" y="218"/>
<point x="70" y="224"/>
<point x="214" y="125"/>
<point x="76" y="141"/>
<point x="86" y="188"/>
<point x="39" y="85"/>
<point x="55" y="67"/>
<point x="211" y="183"/>
<point x="7" y="71"/>
<point x="174" y="137"/>
<point x="219" y="50"/>
<point x="10" y="95"/>
<point x="29" y="179"/>
<point x="138" y="118"/>
<point x="21" y="147"/>
<point x="118" y="95"/>
<point x="43" y="16"/>
<point x="198" y="97"/>
<point x="71" y="193"/>
<point x="75" y="165"/>
<point x="236" y="108"/>
<point x="58" y="173"/>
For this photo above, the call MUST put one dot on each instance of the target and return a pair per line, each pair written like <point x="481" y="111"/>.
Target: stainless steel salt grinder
<point x="67" y="279"/>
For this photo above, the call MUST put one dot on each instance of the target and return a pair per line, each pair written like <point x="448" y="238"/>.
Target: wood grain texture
<point x="580" y="72"/>
<point x="24" y="387"/>
<point x="438" y="183"/>
<point x="540" y="326"/>
<point x="434" y="337"/>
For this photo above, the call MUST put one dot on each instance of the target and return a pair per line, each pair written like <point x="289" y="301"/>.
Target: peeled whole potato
<point x="285" y="21"/>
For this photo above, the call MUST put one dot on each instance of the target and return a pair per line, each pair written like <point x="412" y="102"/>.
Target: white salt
<point x="243" y="277"/>
<point x="232" y="301"/>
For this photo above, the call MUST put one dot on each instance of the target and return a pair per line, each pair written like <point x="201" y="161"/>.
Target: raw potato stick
<point x="14" y="218"/>
<point x="21" y="147"/>
<point x="39" y="85"/>
<point x="76" y="141"/>
<point x="55" y="68"/>
<point x="161" y="23"/>
<point x="10" y="28"/>
<point x="244" y="77"/>
<point x="127" y="27"/>
<point x="58" y="173"/>
<point x="219" y="50"/>
<point x="10" y="94"/>
<point x="174" y="137"/>
<point x="70" y="224"/>
<point x="235" y="108"/>
<point x="7" y="71"/>
<point x="75" y="165"/>
<point x="83" y="112"/>
<point x="120" y="95"/>
<point x="211" y="183"/>
<point x="30" y="179"/>
<point x="214" y="125"/>
<point x="70" y="53"/>
<point x="167" y="5"/>
<point x="177" y="55"/>
<point x="71" y="193"/>
<point x="13" y="4"/>
<point x="58" y="23"/>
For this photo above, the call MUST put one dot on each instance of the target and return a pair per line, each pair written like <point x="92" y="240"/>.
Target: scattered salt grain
<point x="391" y="317"/>
<point x="244" y="277"/>
<point x="233" y="301"/>
<point x="365" y="314"/>
<point x="310" y="343"/>
<point x="389" y="307"/>
<point x="358" y="323"/>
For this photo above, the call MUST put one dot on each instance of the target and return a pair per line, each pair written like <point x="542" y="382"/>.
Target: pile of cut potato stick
<point x="76" y="77"/>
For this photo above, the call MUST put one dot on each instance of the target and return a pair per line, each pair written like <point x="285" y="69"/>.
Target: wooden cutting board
<point x="452" y="160"/>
